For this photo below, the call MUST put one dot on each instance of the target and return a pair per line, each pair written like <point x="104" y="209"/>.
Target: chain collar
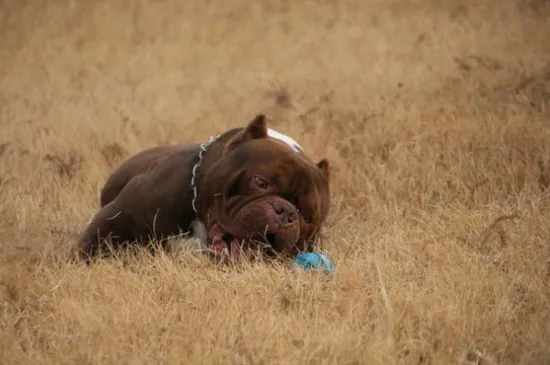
<point x="203" y="148"/>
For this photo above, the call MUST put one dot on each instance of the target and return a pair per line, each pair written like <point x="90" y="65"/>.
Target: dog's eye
<point x="260" y="182"/>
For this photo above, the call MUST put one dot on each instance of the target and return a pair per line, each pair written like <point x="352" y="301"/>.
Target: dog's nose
<point x="285" y="214"/>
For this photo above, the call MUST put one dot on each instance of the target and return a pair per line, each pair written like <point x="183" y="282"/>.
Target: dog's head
<point x="264" y="192"/>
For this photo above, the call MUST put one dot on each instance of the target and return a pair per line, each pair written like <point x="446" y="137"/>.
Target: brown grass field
<point x="434" y="115"/>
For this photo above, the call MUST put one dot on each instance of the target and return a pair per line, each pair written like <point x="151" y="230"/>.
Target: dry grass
<point x="434" y="115"/>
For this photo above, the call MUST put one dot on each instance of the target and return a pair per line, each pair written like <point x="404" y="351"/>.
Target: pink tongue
<point x="218" y="245"/>
<point x="222" y="253"/>
<point x="236" y="250"/>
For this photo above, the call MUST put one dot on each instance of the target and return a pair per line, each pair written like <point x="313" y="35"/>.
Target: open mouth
<point x="268" y="242"/>
<point x="225" y="247"/>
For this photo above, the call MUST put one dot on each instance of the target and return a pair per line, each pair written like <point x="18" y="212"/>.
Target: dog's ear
<point x="254" y="130"/>
<point x="323" y="165"/>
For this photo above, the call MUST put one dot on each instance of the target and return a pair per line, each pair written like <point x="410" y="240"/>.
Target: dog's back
<point x="136" y="165"/>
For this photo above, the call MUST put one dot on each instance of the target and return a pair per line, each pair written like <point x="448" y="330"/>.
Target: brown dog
<point x="247" y="188"/>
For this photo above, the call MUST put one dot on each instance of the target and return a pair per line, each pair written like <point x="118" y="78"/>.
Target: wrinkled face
<point x="265" y="196"/>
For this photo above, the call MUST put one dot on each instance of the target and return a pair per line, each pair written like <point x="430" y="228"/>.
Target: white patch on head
<point x="285" y="139"/>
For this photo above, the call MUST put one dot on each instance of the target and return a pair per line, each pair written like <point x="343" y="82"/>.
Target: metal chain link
<point x="203" y="149"/>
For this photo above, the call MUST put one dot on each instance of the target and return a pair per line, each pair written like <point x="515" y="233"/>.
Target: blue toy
<point x="314" y="260"/>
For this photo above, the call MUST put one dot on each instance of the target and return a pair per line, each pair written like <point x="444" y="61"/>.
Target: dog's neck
<point x="203" y="148"/>
<point x="211" y="151"/>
